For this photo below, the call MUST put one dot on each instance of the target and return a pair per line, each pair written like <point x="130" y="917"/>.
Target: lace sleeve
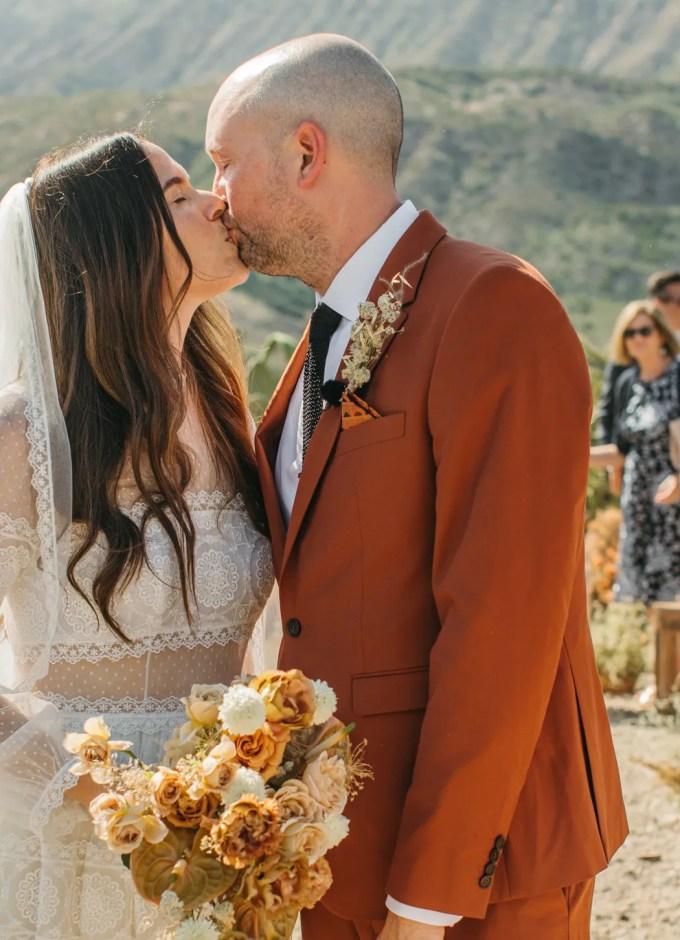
<point x="18" y="536"/>
<point x="33" y="764"/>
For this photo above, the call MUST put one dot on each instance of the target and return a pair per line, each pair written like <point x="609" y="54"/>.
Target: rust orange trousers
<point x="562" y="914"/>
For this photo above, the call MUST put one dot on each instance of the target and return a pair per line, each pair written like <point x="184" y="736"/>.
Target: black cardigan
<point x="618" y="387"/>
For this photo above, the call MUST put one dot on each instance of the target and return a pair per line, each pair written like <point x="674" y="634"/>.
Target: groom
<point x="427" y="530"/>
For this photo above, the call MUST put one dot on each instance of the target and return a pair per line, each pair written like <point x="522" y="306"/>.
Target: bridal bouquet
<point x="229" y="837"/>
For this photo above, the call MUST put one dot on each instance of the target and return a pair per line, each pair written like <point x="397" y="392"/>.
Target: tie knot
<point x="324" y="323"/>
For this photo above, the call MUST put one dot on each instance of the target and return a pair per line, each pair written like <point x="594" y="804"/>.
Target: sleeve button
<point x="294" y="627"/>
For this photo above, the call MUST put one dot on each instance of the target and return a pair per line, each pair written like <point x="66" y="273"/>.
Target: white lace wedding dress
<point x="57" y="881"/>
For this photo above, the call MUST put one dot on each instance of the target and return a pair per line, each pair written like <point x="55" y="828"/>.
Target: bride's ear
<point x="311" y="143"/>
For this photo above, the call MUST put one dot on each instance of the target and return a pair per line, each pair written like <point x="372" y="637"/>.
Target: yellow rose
<point x="248" y="830"/>
<point x="166" y="786"/>
<point x="296" y="802"/>
<point x="261" y="751"/>
<point x="326" y="780"/>
<point x="288" y="696"/>
<point x="203" y="703"/>
<point x="94" y="749"/>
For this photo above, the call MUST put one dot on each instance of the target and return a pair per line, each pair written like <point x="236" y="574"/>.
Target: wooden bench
<point x="665" y="616"/>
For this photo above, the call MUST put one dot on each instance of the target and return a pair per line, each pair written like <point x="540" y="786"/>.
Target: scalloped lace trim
<point x="119" y="706"/>
<point x="53" y="797"/>
<point x="96" y="652"/>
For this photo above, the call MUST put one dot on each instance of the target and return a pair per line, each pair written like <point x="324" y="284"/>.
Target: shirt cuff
<point x="420" y="915"/>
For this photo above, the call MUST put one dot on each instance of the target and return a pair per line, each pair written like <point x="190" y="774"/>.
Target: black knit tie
<point x="324" y="323"/>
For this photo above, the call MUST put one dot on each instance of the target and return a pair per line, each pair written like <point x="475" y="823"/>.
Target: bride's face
<point x="197" y="215"/>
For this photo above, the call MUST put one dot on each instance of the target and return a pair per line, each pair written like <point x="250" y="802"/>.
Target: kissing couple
<point x="416" y="486"/>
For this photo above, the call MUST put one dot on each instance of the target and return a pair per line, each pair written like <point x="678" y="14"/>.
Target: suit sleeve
<point x="509" y="412"/>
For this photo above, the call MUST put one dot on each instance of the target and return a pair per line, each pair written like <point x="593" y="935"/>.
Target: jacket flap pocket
<point x="372" y="432"/>
<point x="381" y="692"/>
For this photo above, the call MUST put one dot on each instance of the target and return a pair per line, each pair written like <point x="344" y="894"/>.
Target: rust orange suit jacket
<point x="433" y="574"/>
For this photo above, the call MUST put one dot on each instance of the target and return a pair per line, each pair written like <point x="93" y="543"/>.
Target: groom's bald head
<point x="326" y="79"/>
<point x="305" y="140"/>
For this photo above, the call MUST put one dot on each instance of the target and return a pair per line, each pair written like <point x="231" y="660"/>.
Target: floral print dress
<point x="649" y="557"/>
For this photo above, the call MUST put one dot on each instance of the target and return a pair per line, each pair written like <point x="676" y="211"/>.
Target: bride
<point x="133" y="555"/>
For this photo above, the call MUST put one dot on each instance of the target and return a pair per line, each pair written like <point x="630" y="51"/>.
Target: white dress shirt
<point x="351" y="286"/>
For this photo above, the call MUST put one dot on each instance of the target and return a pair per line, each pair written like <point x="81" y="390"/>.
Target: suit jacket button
<point x="484" y="881"/>
<point x="500" y="843"/>
<point x="489" y="869"/>
<point x="494" y="855"/>
<point x="294" y="627"/>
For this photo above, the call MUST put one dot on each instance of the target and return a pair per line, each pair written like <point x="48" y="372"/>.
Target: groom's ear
<point x="311" y="145"/>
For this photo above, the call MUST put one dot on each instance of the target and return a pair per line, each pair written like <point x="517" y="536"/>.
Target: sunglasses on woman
<point x="638" y="331"/>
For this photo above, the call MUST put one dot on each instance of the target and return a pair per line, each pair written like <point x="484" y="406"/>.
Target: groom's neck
<point x="350" y="226"/>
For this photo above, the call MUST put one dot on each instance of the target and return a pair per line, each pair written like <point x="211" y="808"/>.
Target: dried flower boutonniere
<point x="371" y="331"/>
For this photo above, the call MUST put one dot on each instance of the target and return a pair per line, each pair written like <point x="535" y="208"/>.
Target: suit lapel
<point x="267" y="443"/>
<point x="411" y="251"/>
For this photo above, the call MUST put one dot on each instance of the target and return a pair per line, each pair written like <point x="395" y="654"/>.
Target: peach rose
<point x="306" y="839"/>
<point x="248" y="830"/>
<point x="261" y="751"/>
<point x="94" y="749"/>
<point x="296" y="802"/>
<point x="166" y="787"/>
<point x="126" y="829"/>
<point x="219" y="768"/>
<point x="326" y="780"/>
<point x="188" y="813"/>
<point x="289" y="697"/>
<point x="203" y="703"/>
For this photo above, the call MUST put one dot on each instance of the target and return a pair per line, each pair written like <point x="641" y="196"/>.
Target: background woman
<point x="646" y="400"/>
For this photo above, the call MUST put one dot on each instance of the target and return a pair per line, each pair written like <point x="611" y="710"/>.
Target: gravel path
<point x="638" y="897"/>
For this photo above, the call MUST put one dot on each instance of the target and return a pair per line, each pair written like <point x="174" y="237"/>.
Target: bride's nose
<point x="214" y="207"/>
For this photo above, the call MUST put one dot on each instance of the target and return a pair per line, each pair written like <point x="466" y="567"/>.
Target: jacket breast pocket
<point x="380" y="693"/>
<point x="372" y="432"/>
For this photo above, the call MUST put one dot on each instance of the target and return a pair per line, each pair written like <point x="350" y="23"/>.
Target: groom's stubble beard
<point x="293" y="244"/>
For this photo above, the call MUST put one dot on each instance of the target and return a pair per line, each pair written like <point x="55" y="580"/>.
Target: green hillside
<point x="67" y="46"/>
<point x="580" y="174"/>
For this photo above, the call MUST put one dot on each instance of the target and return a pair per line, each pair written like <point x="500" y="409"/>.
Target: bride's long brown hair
<point x="99" y="215"/>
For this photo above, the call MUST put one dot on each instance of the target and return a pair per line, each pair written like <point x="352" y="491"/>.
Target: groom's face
<point x="251" y="179"/>
<point x="256" y="175"/>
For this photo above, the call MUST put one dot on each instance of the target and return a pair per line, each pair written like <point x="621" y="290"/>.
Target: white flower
<point x="337" y="829"/>
<point x="224" y="914"/>
<point x="197" y="930"/>
<point x="242" y="710"/>
<point x="245" y="781"/>
<point x="326" y="702"/>
<point x="170" y="906"/>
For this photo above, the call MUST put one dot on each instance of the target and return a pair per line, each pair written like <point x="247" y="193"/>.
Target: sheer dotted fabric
<point x="57" y="882"/>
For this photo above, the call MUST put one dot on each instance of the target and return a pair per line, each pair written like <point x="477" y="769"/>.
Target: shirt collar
<point x="352" y="284"/>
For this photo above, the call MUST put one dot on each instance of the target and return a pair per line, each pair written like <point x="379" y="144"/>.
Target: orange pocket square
<point x="355" y="411"/>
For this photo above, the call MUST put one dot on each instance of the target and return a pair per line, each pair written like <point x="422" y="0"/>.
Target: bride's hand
<point x="84" y="791"/>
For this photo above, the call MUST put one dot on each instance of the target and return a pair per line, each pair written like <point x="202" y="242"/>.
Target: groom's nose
<point x="218" y="186"/>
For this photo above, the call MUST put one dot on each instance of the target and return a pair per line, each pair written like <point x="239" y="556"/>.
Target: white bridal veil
<point x="35" y="517"/>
